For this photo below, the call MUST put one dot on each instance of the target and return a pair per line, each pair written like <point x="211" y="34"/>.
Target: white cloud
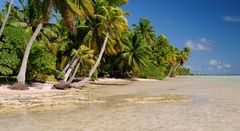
<point x="188" y="66"/>
<point x="201" y="44"/>
<point x="227" y="65"/>
<point x="218" y="64"/>
<point x="231" y="18"/>
<point x="192" y="68"/>
<point x="214" y="62"/>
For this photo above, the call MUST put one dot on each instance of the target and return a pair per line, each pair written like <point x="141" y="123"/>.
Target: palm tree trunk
<point x="6" y="17"/>
<point x="85" y="80"/>
<point x="100" y="56"/>
<point x="66" y="82"/>
<point x="74" y="73"/>
<point x="171" y="70"/>
<point x="58" y="77"/>
<point x="174" y="69"/>
<point x="68" y="64"/>
<point x="22" y="73"/>
<point x="70" y="69"/>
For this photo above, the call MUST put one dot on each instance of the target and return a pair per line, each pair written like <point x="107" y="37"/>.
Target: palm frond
<point x="77" y="10"/>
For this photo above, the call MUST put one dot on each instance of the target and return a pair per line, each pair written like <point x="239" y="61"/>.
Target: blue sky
<point x="210" y="27"/>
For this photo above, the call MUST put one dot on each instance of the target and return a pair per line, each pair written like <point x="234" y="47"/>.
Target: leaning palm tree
<point x="6" y="17"/>
<point x="66" y="8"/>
<point x="187" y="52"/>
<point x="47" y="5"/>
<point x="182" y="57"/>
<point x="84" y="11"/>
<point x="172" y="56"/>
<point x="84" y="58"/>
<point x="112" y="20"/>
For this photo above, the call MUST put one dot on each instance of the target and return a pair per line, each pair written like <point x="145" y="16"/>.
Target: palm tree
<point x="186" y="52"/>
<point x="111" y="21"/>
<point x="46" y="15"/>
<point x="135" y="54"/>
<point x="66" y="8"/>
<point x="182" y="57"/>
<point x="54" y="36"/>
<point x="84" y="11"/>
<point x="6" y="17"/>
<point x="163" y="54"/>
<point x="84" y="58"/>
<point x="146" y="29"/>
<point x="85" y="80"/>
<point x="98" y="26"/>
<point x="160" y="51"/>
<point x="172" y="59"/>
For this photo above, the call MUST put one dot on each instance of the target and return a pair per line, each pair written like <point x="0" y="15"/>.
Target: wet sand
<point x="202" y="103"/>
<point x="41" y="97"/>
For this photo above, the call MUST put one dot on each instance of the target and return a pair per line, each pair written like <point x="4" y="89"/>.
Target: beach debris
<point x="61" y="85"/>
<point x="18" y="86"/>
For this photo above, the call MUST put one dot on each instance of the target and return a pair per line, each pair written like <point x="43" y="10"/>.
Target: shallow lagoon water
<point x="213" y="104"/>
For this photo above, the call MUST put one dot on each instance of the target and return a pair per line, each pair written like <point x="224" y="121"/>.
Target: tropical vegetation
<point x="51" y="40"/>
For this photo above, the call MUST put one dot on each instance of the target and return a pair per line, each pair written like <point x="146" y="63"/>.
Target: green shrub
<point x="41" y="63"/>
<point x="12" y="46"/>
<point x="151" y="72"/>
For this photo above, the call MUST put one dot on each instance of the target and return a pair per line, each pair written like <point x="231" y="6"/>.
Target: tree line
<point x="53" y="40"/>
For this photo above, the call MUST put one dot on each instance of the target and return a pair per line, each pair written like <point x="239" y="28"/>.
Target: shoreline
<point x="40" y="97"/>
